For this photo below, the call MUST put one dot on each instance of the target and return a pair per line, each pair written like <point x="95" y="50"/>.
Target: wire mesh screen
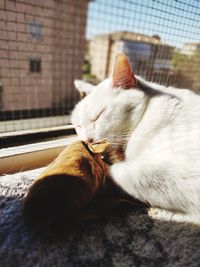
<point x="45" y="45"/>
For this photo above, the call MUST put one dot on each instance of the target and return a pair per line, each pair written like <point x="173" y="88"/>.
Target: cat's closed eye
<point x="98" y="115"/>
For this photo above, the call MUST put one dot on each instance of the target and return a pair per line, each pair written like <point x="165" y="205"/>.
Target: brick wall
<point x="52" y="31"/>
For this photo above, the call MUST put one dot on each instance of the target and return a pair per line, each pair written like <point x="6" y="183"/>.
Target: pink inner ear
<point x="122" y="73"/>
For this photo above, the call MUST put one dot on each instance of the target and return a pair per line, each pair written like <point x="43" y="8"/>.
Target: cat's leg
<point x="166" y="215"/>
<point x="172" y="186"/>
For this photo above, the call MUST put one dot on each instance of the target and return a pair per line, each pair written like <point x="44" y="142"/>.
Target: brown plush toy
<point x="67" y="191"/>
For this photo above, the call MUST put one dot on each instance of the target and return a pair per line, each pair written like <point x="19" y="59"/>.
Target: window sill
<point x="31" y="156"/>
<point x="18" y="138"/>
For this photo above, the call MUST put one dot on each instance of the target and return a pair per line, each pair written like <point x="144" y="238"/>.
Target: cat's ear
<point x="83" y="87"/>
<point x="123" y="75"/>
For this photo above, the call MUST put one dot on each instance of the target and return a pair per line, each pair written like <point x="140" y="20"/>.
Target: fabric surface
<point x="64" y="188"/>
<point x="126" y="238"/>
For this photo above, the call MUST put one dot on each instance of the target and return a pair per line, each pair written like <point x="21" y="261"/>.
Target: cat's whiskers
<point x="117" y="141"/>
<point x="119" y="138"/>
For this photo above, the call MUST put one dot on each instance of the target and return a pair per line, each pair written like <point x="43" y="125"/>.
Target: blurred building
<point x="191" y="48"/>
<point x="41" y="53"/>
<point x="187" y="66"/>
<point x="149" y="56"/>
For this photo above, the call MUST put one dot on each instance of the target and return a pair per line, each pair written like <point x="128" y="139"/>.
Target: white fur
<point x="161" y="137"/>
<point x="83" y="87"/>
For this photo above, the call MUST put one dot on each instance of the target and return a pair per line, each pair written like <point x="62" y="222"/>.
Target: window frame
<point x="23" y="137"/>
<point x="35" y="65"/>
<point x="27" y="150"/>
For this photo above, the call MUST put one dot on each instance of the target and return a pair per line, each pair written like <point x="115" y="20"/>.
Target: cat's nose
<point x="90" y="140"/>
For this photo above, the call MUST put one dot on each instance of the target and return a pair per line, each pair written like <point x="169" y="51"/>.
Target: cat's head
<point x="112" y="109"/>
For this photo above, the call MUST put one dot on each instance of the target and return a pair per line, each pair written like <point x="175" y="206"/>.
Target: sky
<point x="175" y="21"/>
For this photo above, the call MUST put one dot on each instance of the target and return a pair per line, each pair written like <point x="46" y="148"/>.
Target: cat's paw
<point x="153" y="212"/>
<point x="165" y="215"/>
<point x="160" y="214"/>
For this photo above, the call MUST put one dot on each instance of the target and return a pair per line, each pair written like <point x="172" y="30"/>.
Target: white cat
<point x="159" y="129"/>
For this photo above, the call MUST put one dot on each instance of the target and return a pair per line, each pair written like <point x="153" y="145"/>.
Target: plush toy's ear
<point x="83" y="87"/>
<point x="122" y="75"/>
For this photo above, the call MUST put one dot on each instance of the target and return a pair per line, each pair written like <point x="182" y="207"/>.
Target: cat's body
<point x="159" y="129"/>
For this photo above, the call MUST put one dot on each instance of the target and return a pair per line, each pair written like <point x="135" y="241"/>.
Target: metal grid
<point x="45" y="45"/>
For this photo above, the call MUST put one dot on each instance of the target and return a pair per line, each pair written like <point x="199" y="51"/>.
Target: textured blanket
<point x="126" y="238"/>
